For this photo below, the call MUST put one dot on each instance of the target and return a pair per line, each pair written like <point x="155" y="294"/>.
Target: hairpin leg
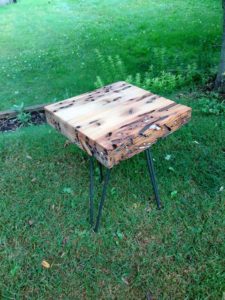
<point x="153" y="177"/>
<point x="104" y="189"/>
<point x="102" y="199"/>
<point x="91" y="203"/>
<point x="101" y="171"/>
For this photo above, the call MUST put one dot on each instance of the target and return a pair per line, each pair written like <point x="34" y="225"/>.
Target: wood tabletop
<point x="117" y="121"/>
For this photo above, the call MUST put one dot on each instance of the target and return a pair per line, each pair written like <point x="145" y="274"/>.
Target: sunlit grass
<point x="47" y="47"/>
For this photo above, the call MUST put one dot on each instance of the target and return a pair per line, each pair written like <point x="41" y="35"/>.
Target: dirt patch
<point x="4" y="2"/>
<point x="12" y="123"/>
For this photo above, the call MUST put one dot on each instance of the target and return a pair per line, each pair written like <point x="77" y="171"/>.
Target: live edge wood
<point x="117" y="121"/>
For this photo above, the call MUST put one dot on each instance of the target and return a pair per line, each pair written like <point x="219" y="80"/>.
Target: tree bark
<point x="220" y="79"/>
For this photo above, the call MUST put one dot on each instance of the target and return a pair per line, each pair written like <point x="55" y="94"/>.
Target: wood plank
<point x="116" y="122"/>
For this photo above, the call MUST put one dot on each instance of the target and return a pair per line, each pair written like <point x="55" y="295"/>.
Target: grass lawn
<point x="47" y="46"/>
<point x="175" y="253"/>
<point x="47" y="52"/>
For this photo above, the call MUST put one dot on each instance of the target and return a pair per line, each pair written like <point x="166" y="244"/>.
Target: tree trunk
<point x="220" y="79"/>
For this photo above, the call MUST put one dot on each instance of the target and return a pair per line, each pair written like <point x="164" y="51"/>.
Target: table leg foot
<point x="153" y="177"/>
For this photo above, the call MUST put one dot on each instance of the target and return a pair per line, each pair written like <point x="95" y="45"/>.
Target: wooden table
<point x="114" y="123"/>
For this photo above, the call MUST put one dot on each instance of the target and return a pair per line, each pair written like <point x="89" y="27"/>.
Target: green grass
<point x="47" y="53"/>
<point x="175" y="253"/>
<point x="47" y="47"/>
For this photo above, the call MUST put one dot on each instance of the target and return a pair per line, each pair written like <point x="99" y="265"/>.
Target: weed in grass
<point x="23" y="117"/>
<point x="113" y="69"/>
<point x="212" y="106"/>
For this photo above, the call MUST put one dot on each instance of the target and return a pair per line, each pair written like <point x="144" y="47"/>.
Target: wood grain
<point x="117" y="121"/>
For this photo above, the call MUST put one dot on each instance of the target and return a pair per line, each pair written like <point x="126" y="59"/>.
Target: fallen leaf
<point x="168" y="157"/>
<point x="45" y="264"/>
<point x="125" y="280"/>
<point x="30" y="222"/>
<point x="221" y="189"/>
<point x="67" y="190"/>
<point x="148" y="209"/>
<point x="119" y="234"/>
<point x="173" y="194"/>
<point x="172" y="169"/>
<point x="135" y="205"/>
<point x="28" y="157"/>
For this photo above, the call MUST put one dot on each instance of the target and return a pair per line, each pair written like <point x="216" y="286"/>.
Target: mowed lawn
<point x="175" y="253"/>
<point x="47" y="47"/>
<point x="48" y="53"/>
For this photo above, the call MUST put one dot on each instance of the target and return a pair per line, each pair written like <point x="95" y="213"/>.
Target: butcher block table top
<point x="117" y="121"/>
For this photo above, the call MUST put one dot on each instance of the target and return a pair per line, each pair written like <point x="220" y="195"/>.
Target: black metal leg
<point x="153" y="177"/>
<point x="102" y="200"/>
<point x="101" y="172"/>
<point x="106" y="181"/>
<point x="91" y="191"/>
